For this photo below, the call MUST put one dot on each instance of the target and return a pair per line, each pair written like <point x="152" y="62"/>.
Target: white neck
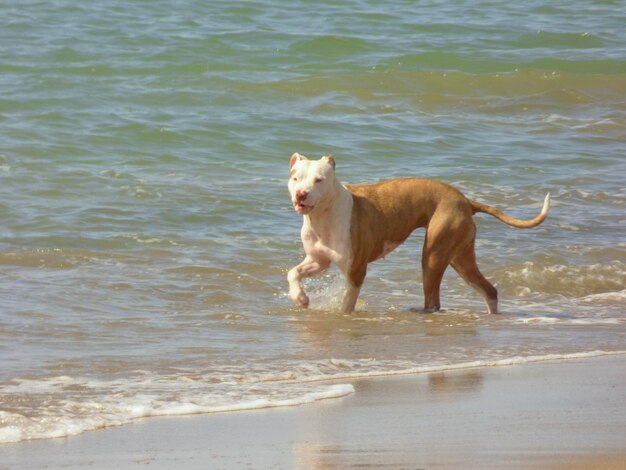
<point x="334" y="211"/>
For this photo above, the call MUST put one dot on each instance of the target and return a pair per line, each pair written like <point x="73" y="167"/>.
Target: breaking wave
<point x="66" y="406"/>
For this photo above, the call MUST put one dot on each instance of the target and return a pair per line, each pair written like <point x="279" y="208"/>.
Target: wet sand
<point x="558" y="415"/>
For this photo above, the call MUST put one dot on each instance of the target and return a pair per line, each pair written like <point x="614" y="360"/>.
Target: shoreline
<point x="565" y="414"/>
<point x="336" y="387"/>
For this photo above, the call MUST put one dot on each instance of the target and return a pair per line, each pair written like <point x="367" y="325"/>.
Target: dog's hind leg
<point x="464" y="263"/>
<point x="448" y="229"/>
<point x="433" y="268"/>
<point x="435" y="261"/>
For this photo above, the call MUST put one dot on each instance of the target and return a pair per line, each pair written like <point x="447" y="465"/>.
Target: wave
<point x="604" y="297"/>
<point x="384" y="371"/>
<point x="455" y="86"/>
<point x="586" y="123"/>
<point x="53" y="258"/>
<point x="567" y="280"/>
<point x="64" y="412"/>
<point x="485" y="64"/>
<point x="552" y="319"/>
<point x="66" y="406"/>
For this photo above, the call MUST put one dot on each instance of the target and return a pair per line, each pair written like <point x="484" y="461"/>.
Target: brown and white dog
<point x="354" y="225"/>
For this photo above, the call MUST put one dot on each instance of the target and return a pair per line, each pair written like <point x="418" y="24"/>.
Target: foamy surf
<point x="70" y="417"/>
<point x="69" y="406"/>
<point x="606" y="297"/>
<point x="551" y="320"/>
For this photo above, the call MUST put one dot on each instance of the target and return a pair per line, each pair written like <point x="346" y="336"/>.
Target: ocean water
<point x="146" y="229"/>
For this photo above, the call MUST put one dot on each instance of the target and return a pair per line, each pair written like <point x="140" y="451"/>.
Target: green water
<point x="146" y="228"/>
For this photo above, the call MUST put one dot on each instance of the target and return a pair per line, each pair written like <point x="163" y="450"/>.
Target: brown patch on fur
<point x="384" y="214"/>
<point x="389" y="211"/>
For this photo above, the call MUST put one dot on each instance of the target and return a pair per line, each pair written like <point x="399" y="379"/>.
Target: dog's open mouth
<point x="302" y="208"/>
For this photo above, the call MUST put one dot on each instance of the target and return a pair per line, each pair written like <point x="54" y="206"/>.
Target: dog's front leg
<point x="308" y="268"/>
<point x="349" y="298"/>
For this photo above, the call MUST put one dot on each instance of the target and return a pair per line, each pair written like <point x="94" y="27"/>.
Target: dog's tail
<point x="513" y="222"/>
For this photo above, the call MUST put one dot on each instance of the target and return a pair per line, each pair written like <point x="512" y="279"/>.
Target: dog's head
<point x="310" y="181"/>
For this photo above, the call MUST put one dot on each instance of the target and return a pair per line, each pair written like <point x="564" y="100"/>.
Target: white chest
<point x="333" y="244"/>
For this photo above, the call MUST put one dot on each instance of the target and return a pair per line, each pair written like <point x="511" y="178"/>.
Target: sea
<point x="146" y="229"/>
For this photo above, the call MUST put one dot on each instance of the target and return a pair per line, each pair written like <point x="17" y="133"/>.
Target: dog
<point x="354" y="225"/>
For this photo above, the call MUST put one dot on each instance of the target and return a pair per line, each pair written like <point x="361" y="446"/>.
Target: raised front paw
<point x="301" y="300"/>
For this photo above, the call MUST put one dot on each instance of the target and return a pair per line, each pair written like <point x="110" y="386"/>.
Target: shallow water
<point x="146" y="228"/>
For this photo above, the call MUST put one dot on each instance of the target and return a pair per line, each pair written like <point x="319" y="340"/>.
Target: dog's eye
<point x="294" y="179"/>
<point x="318" y="180"/>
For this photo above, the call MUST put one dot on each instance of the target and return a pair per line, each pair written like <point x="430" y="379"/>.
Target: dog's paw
<point x="302" y="300"/>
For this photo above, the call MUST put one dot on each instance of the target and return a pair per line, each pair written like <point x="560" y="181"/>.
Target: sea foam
<point x="63" y="413"/>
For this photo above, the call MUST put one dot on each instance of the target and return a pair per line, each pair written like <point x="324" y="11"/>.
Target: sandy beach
<point x="546" y="415"/>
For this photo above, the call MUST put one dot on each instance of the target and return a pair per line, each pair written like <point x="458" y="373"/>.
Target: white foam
<point x="57" y="409"/>
<point x="618" y="296"/>
<point x="599" y="123"/>
<point x="483" y="363"/>
<point x="578" y="123"/>
<point x="556" y="118"/>
<point x="544" y="320"/>
<point x="551" y="320"/>
<point x="114" y="409"/>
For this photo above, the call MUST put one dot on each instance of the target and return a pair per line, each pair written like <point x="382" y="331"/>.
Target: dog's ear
<point x="331" y="160"/>
<point x="295" y="158"/>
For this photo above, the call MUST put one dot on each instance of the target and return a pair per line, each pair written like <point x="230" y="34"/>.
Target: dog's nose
<point x="301" y="195"/>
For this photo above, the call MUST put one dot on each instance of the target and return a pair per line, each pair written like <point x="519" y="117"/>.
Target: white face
<point x="309" y="181"/>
